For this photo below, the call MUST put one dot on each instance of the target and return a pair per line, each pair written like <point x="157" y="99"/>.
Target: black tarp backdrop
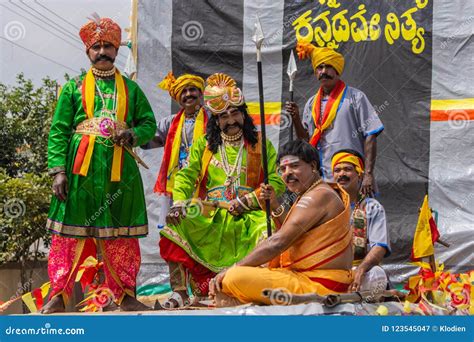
<point x="396" y="78"/>
<point x="219" y="50"/>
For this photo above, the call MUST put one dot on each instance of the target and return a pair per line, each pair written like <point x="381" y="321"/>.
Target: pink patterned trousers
<point x="121" y="259"/>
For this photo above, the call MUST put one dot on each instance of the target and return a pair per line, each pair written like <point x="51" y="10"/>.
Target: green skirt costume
<point x="221" y="239"/>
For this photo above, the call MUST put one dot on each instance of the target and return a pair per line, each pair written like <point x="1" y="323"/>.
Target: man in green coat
<point x="98" y="197"/>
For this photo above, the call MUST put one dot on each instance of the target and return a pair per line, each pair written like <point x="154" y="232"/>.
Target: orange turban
<point x="346" y="157"/>
<point x="320" y="55"/>
<point x="175" y="86"/>
<point x="221" y="92"/>
<point x="101" y="29"/>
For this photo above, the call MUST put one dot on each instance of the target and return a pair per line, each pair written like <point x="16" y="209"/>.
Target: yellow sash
<point x="88" y="98"/>
<point x="199" y="130"/>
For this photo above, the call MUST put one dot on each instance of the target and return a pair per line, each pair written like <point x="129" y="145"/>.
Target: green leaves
<point x="25" y="118"/>
<point x="24" y="204"/>
<point x="25" y="188"/>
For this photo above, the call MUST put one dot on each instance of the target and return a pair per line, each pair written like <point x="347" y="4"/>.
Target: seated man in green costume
<point x="225" y="165"/>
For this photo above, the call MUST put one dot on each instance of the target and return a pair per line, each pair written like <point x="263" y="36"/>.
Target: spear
<point x="258" y="38"/>
<point x="291" y="71"/>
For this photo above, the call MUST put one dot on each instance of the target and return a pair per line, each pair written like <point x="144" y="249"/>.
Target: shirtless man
<point x="311" y="252"/>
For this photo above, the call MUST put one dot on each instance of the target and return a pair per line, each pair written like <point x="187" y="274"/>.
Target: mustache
<point x="227" y="127"/>
<point x="325" y="76"/>
<point x="343" y="178"/>
<point x="290" y="178"/>
<point x="104" y="58"/>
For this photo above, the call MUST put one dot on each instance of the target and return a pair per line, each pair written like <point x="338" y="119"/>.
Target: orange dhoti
<point x="302" y="267"/>
<point x="121" y="258"/>
<point x="247" y="283"/>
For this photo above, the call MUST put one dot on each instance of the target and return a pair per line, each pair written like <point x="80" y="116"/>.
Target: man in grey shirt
<point x="186" y="90"/>
<point x="371" y="242"/>
<point x="176" y="134"/>
<point x="338" y="116"/>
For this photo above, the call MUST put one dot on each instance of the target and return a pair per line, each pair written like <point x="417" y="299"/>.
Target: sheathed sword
<point x="129" y="149"/>
<point x="282" y="297"/>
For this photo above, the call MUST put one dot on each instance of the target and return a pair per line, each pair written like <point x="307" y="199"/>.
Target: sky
<point x="41" y="37"/>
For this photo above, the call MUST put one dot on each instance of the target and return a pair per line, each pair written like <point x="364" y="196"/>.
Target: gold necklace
<point x="231" y="138"/>
<point x="103" y="73"/>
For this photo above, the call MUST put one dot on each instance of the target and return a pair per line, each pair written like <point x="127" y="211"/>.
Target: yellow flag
<point x="29" y="302"/>
<point x="423" y="240"/>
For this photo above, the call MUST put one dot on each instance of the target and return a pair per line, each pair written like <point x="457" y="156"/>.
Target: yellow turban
<point x="320" y="55"/>
<point x="346" y="157"/>
<point x="175" y="86"/>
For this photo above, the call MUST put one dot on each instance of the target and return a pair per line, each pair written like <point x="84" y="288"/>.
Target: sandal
<point x="175" y="301"/>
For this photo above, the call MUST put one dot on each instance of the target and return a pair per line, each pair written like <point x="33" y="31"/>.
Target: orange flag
<point x="426" y="233"/>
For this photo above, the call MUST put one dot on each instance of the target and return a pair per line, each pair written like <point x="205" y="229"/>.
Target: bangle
<point x="179" y="203"/>
<point x="252" y="201"/>
<point x="242" y="204"/>
<point x="279" y="211"/>
<point x="55" y="170"/>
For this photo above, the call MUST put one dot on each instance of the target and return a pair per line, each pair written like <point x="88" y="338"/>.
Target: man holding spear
<point x="338" y="116"/>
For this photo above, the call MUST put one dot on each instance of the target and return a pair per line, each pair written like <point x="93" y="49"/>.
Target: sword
<point x="281" y="297"/>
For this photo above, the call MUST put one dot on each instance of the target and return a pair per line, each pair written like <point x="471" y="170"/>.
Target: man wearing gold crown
<point x="98" y="197"/>
<point x="224" y="165"/>
<point x="338" y="116"/>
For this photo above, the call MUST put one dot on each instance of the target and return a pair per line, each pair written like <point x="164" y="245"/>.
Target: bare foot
<point x="132" y="304"/>
<point x="223" y="300"/>
<point x="111" y="307"/>
<point x="56" y="304"/>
